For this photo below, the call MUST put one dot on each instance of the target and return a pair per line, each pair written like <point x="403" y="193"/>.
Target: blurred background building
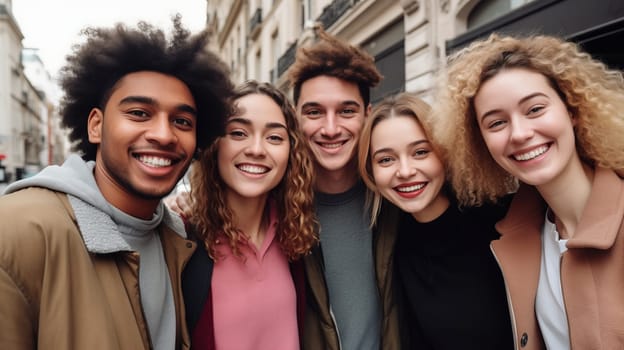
<point x="30" y="135"/>
<point x="408" y="38"/>
<point x="258" y="39"/>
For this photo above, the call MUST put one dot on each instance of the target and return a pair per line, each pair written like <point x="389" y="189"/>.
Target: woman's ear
<point x="573" y="118"/>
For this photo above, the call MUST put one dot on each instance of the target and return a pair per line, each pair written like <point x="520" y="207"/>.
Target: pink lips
<point x="410" y="190"/>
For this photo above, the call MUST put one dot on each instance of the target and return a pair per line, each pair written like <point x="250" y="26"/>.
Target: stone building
<point x="408" y="38"/>
<point x="30" y="133"/>
<point x="56" y="145"/>
<point x="22" y="107"/>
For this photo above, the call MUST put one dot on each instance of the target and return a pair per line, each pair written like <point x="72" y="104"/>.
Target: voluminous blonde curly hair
<point x="593" y="94"/>
<point x="403" y="104"/>
<point x="293" y="196"/>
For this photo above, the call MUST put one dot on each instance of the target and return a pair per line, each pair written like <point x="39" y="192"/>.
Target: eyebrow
<point x="522" y="100"/>
<point x="343" y="103"/>
<point x="412" y="144"/>
<point x="246" y="121"/>
<point x="182" y="107"/>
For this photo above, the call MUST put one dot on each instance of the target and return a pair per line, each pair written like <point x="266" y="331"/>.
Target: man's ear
<point x="94" y="125"/>
<point x="369" y="108"/>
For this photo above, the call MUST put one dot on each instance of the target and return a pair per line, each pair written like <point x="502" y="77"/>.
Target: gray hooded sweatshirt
<point x="106" y="229"/>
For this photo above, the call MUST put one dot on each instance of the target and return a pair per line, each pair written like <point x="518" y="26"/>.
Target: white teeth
<point x="410" y="188"/>
<point x="530" y="155"/>
<point x="253" y="169"/>
<point x="156" y="162"/>
<point x="332" y="145"/>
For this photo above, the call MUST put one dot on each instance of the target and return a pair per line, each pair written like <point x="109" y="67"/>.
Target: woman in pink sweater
<point x="252" y="213"/>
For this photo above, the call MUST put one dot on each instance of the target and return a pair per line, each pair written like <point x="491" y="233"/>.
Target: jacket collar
<point x="100" y="232"/>
<point x="603" y="213"/>
<point x="600" y="221"/>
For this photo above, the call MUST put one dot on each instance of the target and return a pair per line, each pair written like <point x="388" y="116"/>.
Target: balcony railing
<point x="332" y="12"/>
<point x="286" y="60"/>
<point x="255" y="22"/>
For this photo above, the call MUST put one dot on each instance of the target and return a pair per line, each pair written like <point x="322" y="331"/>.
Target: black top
<point x="450" y="283"/>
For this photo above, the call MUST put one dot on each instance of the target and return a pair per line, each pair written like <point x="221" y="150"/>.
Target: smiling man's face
<point x="332" y="112"/>
<point x="146" y="137"/>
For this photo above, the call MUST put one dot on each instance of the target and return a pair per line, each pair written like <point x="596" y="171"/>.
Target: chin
<point x="154" y="193"/>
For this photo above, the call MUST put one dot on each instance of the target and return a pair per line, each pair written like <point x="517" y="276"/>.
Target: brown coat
<point x="592" y="269"/>
<point x="55" y="294"/>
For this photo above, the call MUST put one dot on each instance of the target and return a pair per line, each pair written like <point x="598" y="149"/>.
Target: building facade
<point x="408" y="38"/>
<point x="56" y="146"/>
<point x="24" y="107"/>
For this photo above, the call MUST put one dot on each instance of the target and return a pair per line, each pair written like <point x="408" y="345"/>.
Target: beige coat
<point x="592" y="269"/>
<point x="55" y="294"/>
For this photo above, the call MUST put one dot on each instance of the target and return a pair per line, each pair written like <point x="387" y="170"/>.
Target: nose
<point x="256" y="147"/>
<point x="406" y="168"/>
<point x="160" y="130"/>
<point x="521" y="129"/>
<point x="330" y="128"/>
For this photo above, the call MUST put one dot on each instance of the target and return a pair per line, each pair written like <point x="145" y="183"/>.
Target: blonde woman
<point x="539" y="113"/>
<point x="451" y="290"/>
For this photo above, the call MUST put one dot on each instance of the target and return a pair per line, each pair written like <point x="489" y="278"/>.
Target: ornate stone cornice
<point x="410" y="6"/>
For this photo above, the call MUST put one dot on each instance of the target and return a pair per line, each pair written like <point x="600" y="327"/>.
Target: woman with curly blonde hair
<point x="540" y="116"/>
<point x="252" y="211"/>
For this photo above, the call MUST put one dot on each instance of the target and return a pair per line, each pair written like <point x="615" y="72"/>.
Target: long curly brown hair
<point x="294" y="196"/>
<point x="593" y="94"/>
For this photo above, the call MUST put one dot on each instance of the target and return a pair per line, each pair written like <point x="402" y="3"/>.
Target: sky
<point x="54" y="26"/>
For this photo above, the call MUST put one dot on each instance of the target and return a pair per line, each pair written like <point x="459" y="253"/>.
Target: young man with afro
<point x="350" y="300"/>
<point x="90" y="258"/>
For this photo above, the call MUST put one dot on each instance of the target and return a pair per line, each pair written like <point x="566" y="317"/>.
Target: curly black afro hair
<point x="108" y="54"/>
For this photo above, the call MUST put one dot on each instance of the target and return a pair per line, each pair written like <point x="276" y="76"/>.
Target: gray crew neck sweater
<point x="347" y="244"/>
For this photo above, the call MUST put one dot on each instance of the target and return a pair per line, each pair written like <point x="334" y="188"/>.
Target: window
<point x="488" y="10"/>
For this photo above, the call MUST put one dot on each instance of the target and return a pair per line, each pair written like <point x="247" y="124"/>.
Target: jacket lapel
<point x="602" y="216"/>
<point x="518" y="253"/>
<point x="594" y="236"/>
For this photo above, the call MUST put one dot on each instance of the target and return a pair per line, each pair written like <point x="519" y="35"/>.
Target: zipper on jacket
<point x="509" y="304"/>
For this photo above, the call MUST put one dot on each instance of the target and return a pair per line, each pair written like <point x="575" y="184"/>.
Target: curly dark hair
<point x="108" y="54"/>
<point x="293" y="196"/>
<point x="335" y="58"/>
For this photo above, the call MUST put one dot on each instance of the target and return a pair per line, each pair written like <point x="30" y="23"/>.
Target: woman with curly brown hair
<point x="540" y="113"/>
<point x="252" y="208"/>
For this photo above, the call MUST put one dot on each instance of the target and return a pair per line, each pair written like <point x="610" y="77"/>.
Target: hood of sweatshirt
<point x="99" y="221"/>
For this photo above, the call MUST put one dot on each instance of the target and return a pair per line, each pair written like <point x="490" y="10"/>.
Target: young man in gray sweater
<point x="350" y="304"/>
